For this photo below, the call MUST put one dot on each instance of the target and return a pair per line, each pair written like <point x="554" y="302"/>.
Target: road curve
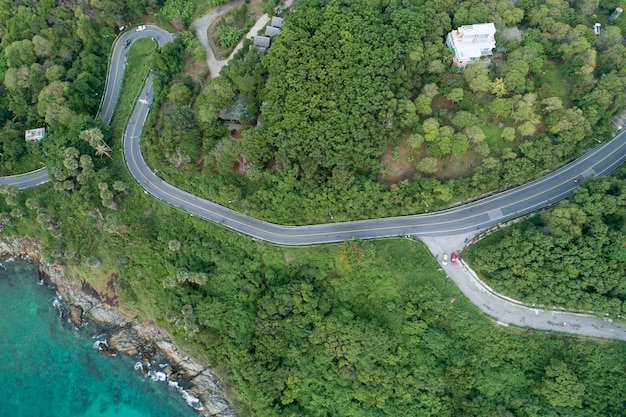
<point x="442" y="231"/>
<point x="117" y="65"/>
<point x="27" y="180"/>
<point x="433" y="228"/>
<point x="464" y="219"/>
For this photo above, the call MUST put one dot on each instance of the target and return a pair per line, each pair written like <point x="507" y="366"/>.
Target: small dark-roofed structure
<point x="277" y="22"/>
<point x="261" y="41"/>
<point x="35" y="134"/>
<point x="235" y="112"/>
<point x="271" y="31"/>
<point x="618" y="11"/>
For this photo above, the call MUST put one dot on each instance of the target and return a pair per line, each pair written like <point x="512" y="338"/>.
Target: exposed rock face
<point x="76" y="315"/>
<point x="125" y="340"/>
<point x="131" y="335"/>
<point x="208" y="388"/>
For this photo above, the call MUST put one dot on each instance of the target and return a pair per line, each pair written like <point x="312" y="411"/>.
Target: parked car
<point x="453" y="258"/>
<point x="140" y="28"/>
<point x="444" y="260"/>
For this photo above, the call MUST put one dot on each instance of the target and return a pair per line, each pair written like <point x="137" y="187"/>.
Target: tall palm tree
<point x="103" y="149"/>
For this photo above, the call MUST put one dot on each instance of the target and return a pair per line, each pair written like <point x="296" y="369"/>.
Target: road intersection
<point x="443" y="231"/>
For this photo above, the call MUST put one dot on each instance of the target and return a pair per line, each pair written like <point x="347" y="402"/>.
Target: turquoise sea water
<point x="47" y="368"/>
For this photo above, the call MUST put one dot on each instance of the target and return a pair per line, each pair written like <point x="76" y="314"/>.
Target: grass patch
<point x="138" y="59"/>
<point x="157" y="20"/>
<point x="493" y="136"/>
<point x="556" y="80"/>
<point x="96" y="276"/>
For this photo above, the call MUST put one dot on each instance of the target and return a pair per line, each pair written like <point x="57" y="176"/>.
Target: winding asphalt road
<point x="437" y="229"/>
<point x="27" y="180"/>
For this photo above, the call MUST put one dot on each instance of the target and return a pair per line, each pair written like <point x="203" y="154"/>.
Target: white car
<point x="140" y="28"/>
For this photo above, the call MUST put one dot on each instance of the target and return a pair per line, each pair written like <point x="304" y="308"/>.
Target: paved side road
<point x="201" y="26"/>
<point x="507" y="310"/>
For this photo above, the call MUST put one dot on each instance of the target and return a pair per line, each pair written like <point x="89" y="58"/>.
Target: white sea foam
<point x="98" y="345"/>
<point x="191" y="401"/>
<point x="156" y="376"/>
<point x="138" y="366"/>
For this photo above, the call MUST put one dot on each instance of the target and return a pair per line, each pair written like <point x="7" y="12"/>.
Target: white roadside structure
<point x="35" y="134"/>
<point x="471" y="43"/>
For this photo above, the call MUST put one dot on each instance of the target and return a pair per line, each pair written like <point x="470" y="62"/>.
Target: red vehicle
<point x="453" y="258"/>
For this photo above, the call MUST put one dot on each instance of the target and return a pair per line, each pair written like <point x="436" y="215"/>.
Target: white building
<point x="472" y="42"/>
<point x="35" y="134"/>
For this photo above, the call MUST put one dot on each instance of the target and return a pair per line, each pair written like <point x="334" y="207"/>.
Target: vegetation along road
<point x="440" y="230"/>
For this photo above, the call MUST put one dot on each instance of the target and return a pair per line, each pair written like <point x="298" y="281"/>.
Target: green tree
<point x="427" y="165"/>
<point x="20" y="53"/>
<point x="180" y="94"/>
<point x="561" y="386"/>
<point x="508" y="134"/>
<point x="464" y="119"/>
<point x="455" y="95"/>
<point x="476" y="77"/>
<point x="460" y="143"/>
<point x="498" y="88"/>
<point x="423" y="105"/>
<point x="501" y="107"/>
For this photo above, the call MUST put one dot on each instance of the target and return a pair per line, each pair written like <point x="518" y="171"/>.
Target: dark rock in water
<point x="125" y="340"/>
<point x="104" y="348"/>
<point x="76" y="315"/>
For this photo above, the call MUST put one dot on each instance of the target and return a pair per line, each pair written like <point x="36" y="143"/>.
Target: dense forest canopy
<point x="357" y="329"/>
<point x="573" y="256"/>
<point x="356" y="109"/>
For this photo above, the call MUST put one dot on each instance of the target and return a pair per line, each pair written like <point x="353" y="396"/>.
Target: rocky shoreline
<point x="128" y="335"/>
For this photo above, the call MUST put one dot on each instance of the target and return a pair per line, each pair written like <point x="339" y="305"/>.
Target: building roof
<point x="235" y="112"/>
<point x="272" y="31"/>
<point x="478" y="29"/>
<point x="35" y="134"/>
<point x="277" y="22"/>
<point x="261" y="41"/>
<point x="618" y="11"/>
<point x="466" y="47"/>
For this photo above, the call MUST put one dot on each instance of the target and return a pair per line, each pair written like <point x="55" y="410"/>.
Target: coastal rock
<point x="131" y="335"/>
<point x="167" y="347"/>
<point x="209" y="389"/>
<point x="76" y="315"/>
<point x="125" y="340"/>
